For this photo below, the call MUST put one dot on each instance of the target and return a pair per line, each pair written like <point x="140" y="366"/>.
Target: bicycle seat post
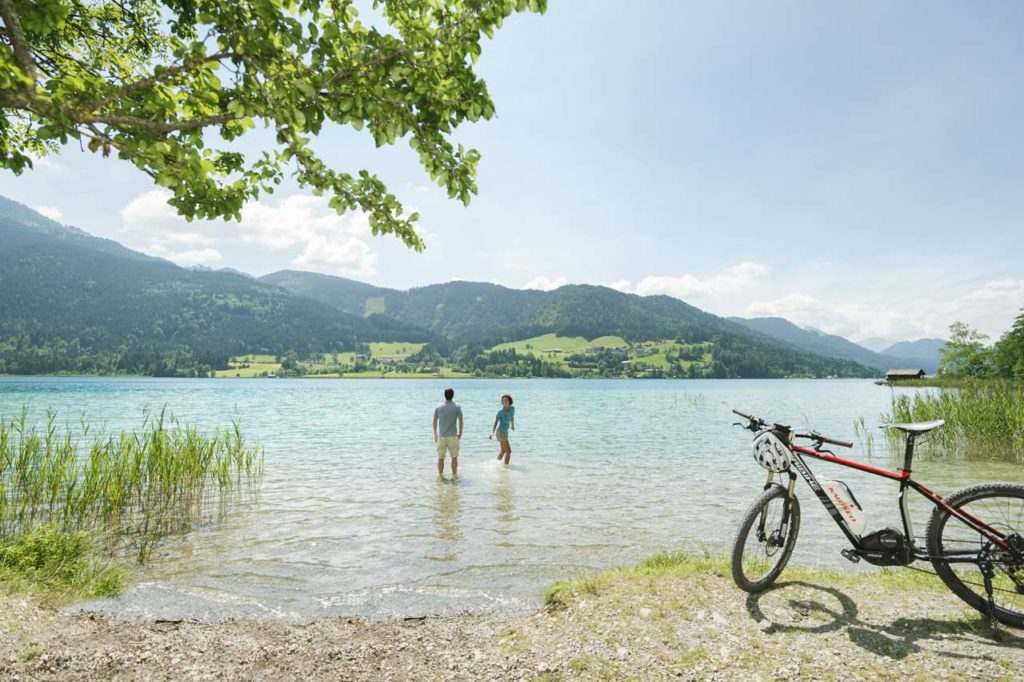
<point x="908" y="455"/>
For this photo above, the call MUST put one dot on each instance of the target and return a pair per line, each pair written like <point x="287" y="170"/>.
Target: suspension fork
<point x="784" y="526"/>
<point x="788" y="503"/>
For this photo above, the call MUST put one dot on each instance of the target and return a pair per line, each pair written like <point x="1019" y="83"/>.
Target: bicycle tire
<point x="780" y="554"/>
<point x="940" y="535"/>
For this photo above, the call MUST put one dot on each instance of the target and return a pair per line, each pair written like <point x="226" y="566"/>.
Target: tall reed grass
<point x="984" y="420"/>
<point x="130" y="490"/>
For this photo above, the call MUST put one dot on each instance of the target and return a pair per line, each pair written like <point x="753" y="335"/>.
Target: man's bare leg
<point x="440" y="467"/>
<point x="508" y="452"/>
<point x="455" y="466"/>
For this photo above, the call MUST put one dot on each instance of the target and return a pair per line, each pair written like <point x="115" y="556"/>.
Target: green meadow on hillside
<point x="562" y="355"/>
<point x="577" y="353"/>
<point x="380" y="358"/>
<point x="559" y="346"/>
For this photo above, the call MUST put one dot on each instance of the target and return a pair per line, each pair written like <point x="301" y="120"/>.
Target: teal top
<point x="505" y="418"/>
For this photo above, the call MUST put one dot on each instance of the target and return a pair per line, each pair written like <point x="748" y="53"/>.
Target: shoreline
<point x="672" y="617"/>
<point x="431" y="376"/>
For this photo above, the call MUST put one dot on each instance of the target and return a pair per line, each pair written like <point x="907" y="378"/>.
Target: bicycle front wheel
<point x="1001" y="506"/>
<point x="765" y="539"/>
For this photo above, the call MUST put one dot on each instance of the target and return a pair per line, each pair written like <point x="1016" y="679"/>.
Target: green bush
<point x="61" y="564"/>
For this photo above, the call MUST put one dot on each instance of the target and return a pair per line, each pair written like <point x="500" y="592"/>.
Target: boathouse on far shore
<point x="904" y="374"/>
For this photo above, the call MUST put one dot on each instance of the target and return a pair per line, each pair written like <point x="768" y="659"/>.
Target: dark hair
<point x="509" y="398"/>
<point x="449" y="393"/>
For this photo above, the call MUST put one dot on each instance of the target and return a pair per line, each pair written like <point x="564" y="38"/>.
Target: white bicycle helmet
<point x="771" y="453"/>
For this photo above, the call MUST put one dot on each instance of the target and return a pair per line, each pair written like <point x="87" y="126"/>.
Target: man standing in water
<point x="446" y="416"/>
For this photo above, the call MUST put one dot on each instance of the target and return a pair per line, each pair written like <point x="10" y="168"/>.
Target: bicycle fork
<point x="784" y="526"/>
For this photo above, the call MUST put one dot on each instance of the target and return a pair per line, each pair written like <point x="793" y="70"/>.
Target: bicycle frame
<point x="903" y="477"/>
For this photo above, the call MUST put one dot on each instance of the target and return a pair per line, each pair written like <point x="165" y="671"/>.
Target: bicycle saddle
<point x="916" y="427"/>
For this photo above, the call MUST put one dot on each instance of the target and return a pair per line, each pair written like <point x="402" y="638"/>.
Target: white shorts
<point x="450" y="445"/>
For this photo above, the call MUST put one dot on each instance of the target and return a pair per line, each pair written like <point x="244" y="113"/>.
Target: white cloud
<point x="850" y="320"/>
<point x="991" y="308"/>
<point x="149" y="216"/>
<point x="189" y="257"/>
<point x="303" y="224"/>
<point x="729" y="281"/>
<point x="348" y="255"/>
<point x="544" y="284"/>
<point x="620" y="285"/>
<point x="51" y="212"/>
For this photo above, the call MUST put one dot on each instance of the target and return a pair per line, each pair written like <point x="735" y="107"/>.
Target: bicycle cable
<point x="966" y="582"/>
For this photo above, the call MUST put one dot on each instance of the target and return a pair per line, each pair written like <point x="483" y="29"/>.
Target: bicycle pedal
<point x="850" y="556"/>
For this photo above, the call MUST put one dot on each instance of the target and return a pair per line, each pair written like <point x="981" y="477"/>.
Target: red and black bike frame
<point x="903" y="477"/>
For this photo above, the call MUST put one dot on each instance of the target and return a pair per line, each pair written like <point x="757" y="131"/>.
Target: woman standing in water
<point x="505" y="419"/>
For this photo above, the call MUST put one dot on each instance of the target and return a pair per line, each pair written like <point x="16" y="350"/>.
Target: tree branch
<point x="157" y="127"/>
<point x="142" y="83"/>
<point x="22" y="51"/>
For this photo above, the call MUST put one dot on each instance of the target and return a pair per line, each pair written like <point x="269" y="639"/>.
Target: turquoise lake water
<point x="351" y="519"/>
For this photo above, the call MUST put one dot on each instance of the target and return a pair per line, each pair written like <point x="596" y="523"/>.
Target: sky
<point x="854" y="167"/>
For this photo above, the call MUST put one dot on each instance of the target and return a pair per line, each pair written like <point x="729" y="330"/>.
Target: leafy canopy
<point x="168" y="85"/>
<point x="1009" y="351"/>
<point x="965" y="353"/>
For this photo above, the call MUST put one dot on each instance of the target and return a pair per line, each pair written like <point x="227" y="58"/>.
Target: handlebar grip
<point x="743" y="414"/>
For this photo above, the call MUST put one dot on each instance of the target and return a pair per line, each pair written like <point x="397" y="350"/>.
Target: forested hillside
<point x="476" y="316"/>
<point x="73" y="303"/>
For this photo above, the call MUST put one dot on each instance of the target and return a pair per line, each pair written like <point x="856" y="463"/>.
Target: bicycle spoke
<point x="1002" y="511"/>
<point x="764" y="546"/>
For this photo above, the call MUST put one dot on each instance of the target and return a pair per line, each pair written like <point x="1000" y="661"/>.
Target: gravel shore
<point x="684" y="622"/>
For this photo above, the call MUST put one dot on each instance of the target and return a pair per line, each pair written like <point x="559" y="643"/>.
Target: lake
<point x="352" y="520"/>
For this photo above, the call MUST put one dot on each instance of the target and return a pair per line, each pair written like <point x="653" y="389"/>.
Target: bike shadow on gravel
<point x="787" y="607"/>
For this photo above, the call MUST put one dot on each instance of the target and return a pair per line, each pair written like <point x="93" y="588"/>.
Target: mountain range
<point x="923" y="353"/>
<point x="71" y="302"/>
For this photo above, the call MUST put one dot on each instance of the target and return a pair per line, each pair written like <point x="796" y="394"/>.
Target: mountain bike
<point x="974" y="539"/>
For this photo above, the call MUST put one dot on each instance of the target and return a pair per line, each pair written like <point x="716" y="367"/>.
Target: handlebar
<point x="753" y="423"/>
<point x="815" y="436"/>
<point x="756" y="423"/>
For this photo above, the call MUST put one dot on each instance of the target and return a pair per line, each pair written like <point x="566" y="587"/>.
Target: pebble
<point x="715" y="644"/>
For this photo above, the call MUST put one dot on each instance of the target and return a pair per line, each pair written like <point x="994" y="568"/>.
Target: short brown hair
<point x="507" y="396"/>
<point x="449" y="393"/>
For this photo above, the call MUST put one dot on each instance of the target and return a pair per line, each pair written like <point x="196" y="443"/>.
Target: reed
<point x="130" y="490"/>
<point x="984" y="420"/>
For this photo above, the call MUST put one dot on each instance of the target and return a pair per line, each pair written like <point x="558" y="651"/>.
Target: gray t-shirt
<point x="447" y="414"/>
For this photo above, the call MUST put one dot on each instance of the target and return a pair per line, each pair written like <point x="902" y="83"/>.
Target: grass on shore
<point x="60" y="566"/>
<point x="682" y="564"/>
<point x="983" y="419"/>
<point x="62" y="500"/>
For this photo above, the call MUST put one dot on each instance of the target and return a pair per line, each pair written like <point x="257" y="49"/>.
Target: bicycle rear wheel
<point x="765" y="539"/>
<point x="1001" y="506"/>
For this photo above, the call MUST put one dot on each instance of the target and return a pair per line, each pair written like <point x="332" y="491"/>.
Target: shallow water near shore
<point x="352" y="520"/>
